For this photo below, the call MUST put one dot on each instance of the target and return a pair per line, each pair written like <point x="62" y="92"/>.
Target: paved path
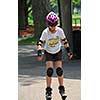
<point x="31" y="77"/>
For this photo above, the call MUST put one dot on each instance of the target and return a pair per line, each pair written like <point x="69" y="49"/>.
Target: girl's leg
<point x="59" y="72"/>
<point x="49" y="70"/>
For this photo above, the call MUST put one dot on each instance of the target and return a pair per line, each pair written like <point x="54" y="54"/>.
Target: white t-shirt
<point x="52" y="41"/>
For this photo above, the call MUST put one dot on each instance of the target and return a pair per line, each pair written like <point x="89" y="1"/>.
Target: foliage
<point x="76" y="1"/>
<point x="77" y="18"/>
<point x="27" y="1"/>
<point x="30" y="16"/>
<point x="54" y="5"/>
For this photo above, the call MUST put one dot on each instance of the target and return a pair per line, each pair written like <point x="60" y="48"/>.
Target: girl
<point x="51" y="38"/>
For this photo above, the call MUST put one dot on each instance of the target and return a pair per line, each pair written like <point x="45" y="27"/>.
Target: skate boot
<point x="62" y="92"/>
<point x="48" y="93"/>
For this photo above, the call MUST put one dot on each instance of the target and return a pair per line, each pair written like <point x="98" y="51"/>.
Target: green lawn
<point x="27" y="40"/>
<point x="76" y="17"/>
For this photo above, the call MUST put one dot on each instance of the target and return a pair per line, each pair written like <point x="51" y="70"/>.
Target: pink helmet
<point x="52" y="19"/>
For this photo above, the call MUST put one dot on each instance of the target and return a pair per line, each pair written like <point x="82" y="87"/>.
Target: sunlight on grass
<point x="27" y="40"/>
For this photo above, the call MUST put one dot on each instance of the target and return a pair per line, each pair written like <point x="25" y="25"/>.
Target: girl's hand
<point x="70" y="55"/>
<point x="40" y="58"/>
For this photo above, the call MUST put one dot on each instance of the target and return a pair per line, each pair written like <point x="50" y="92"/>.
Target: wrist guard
<point x="68" y="50"/>
<point x="39" y="52"/>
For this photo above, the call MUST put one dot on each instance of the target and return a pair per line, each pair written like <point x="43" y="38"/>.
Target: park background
<point x="90" y="64"/>
<point x="31" y="23"/>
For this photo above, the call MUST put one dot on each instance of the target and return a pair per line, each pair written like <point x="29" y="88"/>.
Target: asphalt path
<point x="31" y="76"/>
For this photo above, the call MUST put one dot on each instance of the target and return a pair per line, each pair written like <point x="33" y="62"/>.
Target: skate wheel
<point x="64" y="97"/>
<point x="48" y="99"/>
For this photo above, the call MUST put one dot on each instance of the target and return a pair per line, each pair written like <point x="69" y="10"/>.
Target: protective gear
<point x="49" y="72"/>
<point x="65" y="42"/>
<point x="39" y="52"/>
<point x="59" y="71"/>
<point x="52" y="19"/>
<point x="48" y="93"/>
<point x="62" y="92"/>
<point x="61" y="89"/>
<point x="40" y="43"/>
<point x="68" y="50"/>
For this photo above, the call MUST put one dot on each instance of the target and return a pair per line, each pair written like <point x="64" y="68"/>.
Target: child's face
<point x="52" y="28"/>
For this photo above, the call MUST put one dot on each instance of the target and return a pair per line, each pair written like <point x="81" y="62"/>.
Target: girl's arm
<point x="39" y="47"/>
<point x="66" y="45"/>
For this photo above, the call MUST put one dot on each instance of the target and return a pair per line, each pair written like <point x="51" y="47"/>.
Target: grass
<point x="76" y="16"/>
<point x="76" y="19"/>
<point x="27" y="40"/>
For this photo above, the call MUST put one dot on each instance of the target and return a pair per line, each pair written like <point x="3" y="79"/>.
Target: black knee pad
<point x="49" y="72"/>
<point x="59" y="71"/>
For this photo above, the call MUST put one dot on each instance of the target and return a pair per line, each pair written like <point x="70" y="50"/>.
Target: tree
<point x="54" y="5"/>
<point x="76" y="1"/>
<point x="76" y="4"/>
<point x="66" y="18"/>
<point x="21" y="14"/>
<point x="23" y="11"/>
<point x="40" y="10"/>
<point x="28" y="9"/>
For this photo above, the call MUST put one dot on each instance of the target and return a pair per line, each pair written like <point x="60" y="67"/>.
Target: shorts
<point x="53" y="57"/>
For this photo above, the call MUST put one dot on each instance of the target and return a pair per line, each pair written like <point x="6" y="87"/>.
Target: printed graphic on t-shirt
<point x="52" y="42"/>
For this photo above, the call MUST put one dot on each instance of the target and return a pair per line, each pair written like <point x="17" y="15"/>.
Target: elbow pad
<point x="40" y="42"/>
<point x="65" y="42"/>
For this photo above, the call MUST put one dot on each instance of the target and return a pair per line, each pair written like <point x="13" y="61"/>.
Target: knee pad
<point x="49" y="72"/>
<point x="59" y="71"/>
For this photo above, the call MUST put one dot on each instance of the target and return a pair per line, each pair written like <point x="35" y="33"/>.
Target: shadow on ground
<point x="30" y="70"/>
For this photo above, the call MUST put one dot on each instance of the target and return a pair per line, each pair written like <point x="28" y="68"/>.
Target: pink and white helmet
<point x="52" y="19"/>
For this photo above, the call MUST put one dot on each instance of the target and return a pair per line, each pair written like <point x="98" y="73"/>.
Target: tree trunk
<point x="59" y="10"/>
<point x="26" y="12"/>
<point x="21" y="14"/>
<point x="66" y="18"/>
<point x="40" y="10"/>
